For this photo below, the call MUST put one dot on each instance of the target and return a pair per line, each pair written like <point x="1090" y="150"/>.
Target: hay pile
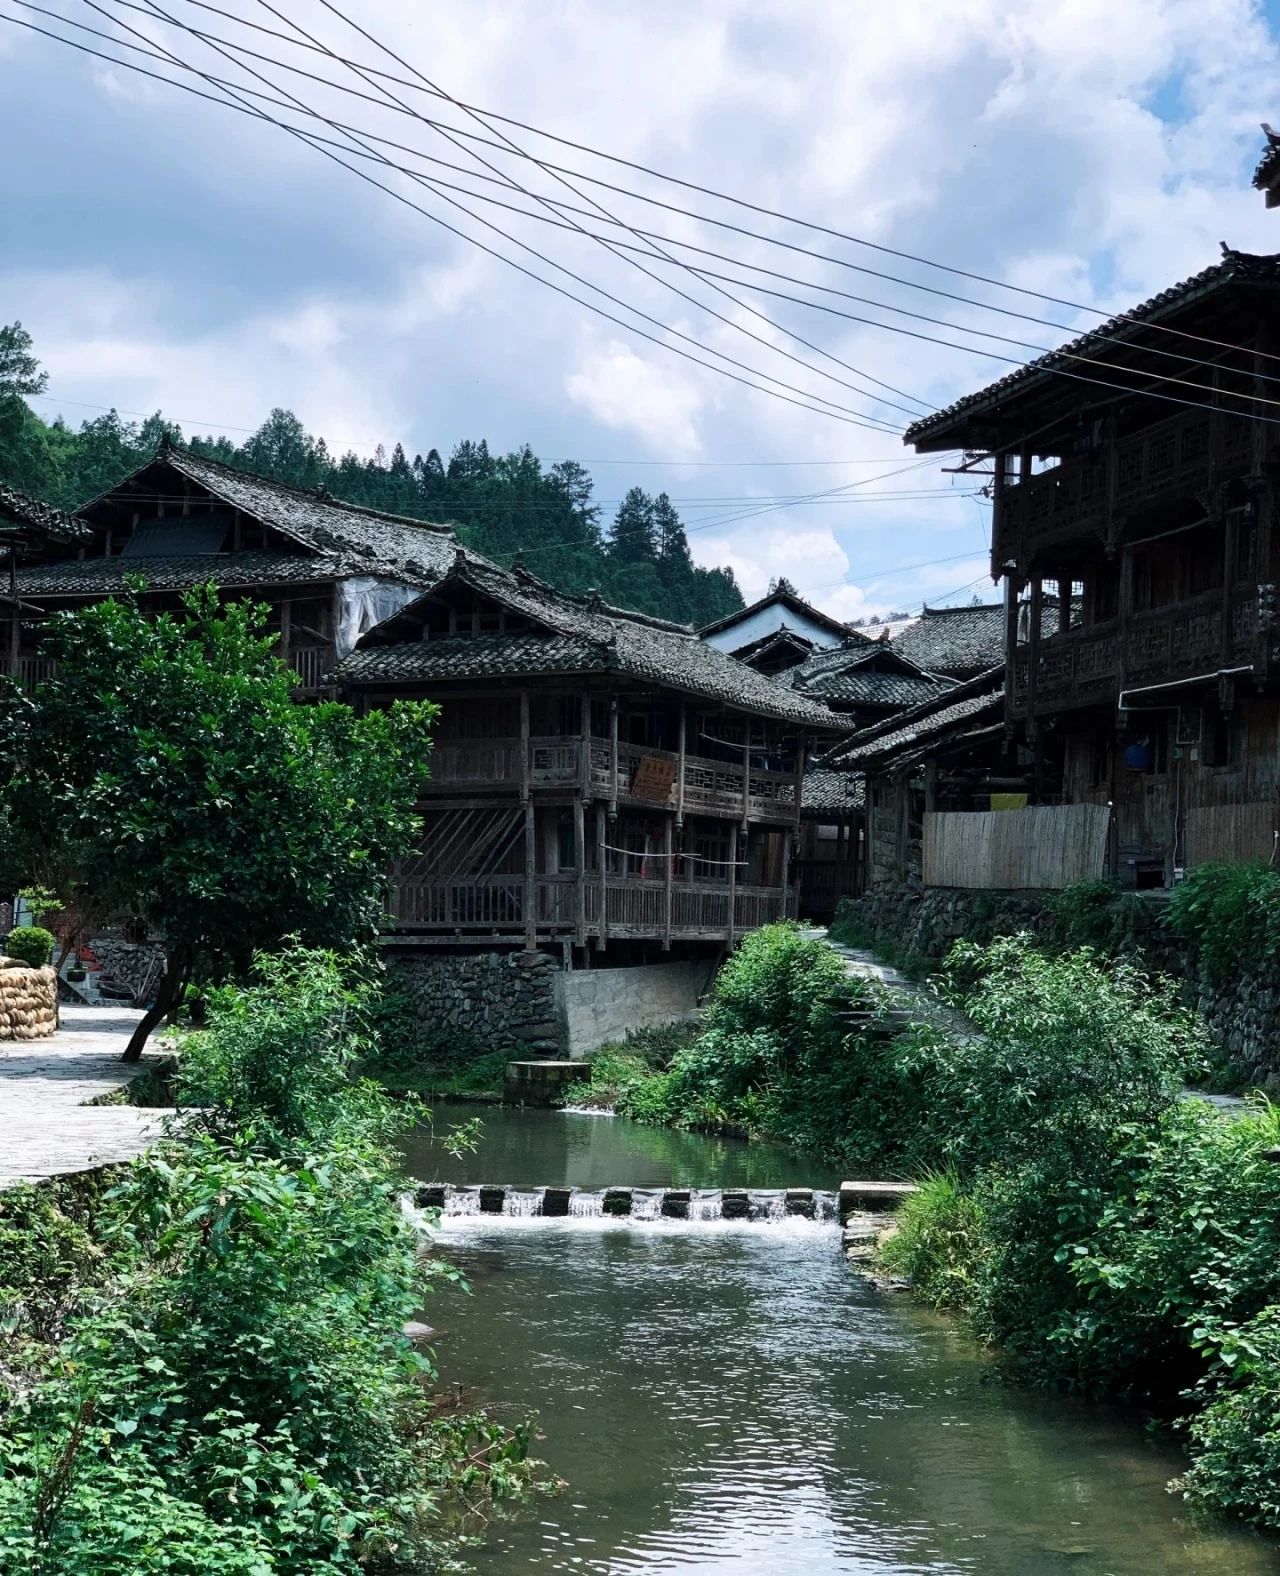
<point x="28" y="1001"/>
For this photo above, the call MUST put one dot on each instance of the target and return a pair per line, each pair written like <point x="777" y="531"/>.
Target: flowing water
<point x="728" y="1396"/>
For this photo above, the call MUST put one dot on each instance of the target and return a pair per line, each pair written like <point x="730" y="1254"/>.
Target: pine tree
<point x="634" y="539"/>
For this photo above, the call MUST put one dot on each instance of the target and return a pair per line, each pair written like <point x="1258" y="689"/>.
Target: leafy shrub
<point x="938" y="1242"/>
<point x="32" y="944"/>
<point x="1229" y="913"/>
<point x="1235" y="1438"/>
<point x="1093" y="914"/>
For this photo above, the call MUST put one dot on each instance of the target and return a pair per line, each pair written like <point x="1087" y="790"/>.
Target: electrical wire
<point x="472" y="240"/>
<point x="317" y="143"/>
<point x="1022" y="290"/>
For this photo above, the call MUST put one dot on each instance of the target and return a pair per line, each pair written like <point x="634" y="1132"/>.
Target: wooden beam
<point x="525" y="763"/>
<point x="733" y="876"/>
<point x="787" y="911"/>
<point x="680" y="767"/>
<point x="668" y="860"/>
<point x="746" y="777"/>
<point x="802" y="753"/>
<point x="530" y="894"/>
<point x="584" y="779"/>
<point x="580" y="864"/>
<point x="286" y="628"/>
<point x="613" y="758"/>
<point x="602" y="870"/>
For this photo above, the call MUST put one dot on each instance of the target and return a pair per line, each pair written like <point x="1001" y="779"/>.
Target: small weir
<point x="755" y="1205"/>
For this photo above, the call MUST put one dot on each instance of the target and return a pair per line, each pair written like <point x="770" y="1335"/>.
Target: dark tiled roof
<point x="956" y="641"/>
<point x="1269" y="164"/>
<point x="783" y="639"/>
<point x="830" y="793"/>
<point x="784" y="596"/>
<point x="41" y="518"/>
<point x="870" y="688"/>
<point x="631" y="643"/>
<point x="102" y="576"/>
<point x="468" y="656"/>
<point x="365" y="539"/>
<point x="978" y="702"/>
<point x="1235" y="267"/>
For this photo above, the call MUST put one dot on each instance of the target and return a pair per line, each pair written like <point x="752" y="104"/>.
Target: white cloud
<point x="166" y="252"/>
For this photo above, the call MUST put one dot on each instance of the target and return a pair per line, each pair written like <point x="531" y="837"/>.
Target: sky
<point x="168" y="252"/>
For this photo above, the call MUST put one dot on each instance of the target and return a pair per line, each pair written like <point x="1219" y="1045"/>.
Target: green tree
<point x="634" y="539"/>
<point x="166" y="771"/>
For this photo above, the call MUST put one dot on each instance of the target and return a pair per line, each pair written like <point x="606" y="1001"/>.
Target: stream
<point x="729" y="1396"/>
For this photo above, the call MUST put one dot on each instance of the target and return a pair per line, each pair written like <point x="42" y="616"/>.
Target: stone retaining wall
<point x="485" y="1001"/>
<point x="28" y="1003"/>
<point x="129" y="964"/>
<point x="1243" y="1015"/>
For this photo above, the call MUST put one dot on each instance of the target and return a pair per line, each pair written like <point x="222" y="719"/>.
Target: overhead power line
<point x="310" y="140"/>
<point x="764" y="211"/>
<point x="834" y="413"/>
<point x="653" y="249"/>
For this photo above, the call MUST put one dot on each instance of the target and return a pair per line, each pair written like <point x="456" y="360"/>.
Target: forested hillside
<point x="505" y="506"/>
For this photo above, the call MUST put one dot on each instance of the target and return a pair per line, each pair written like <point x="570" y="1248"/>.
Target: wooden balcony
<point x="714" y="788"/>
<point x="313" y="665"/>
<point x="625" y="907"/>
<point x="1086" y="666"/>
<point x="1175" y="458"/>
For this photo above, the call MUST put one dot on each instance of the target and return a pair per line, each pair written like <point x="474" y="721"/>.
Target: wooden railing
<point x="1179" y="641"/>
<point x="30" y="671"/>
<point x="632" y="908"/>
<point x="313" y="665"/>
<point x="710" y="787"/>
<point x="1176" y="457"/>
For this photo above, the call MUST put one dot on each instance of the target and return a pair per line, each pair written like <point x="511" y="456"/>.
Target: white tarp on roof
<point x="366" y="601"/>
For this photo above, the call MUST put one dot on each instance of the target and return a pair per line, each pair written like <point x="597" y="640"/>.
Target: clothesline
<point x="700" y="859"/>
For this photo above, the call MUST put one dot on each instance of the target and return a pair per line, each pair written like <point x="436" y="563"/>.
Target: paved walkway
<point x="47" y="1126"/>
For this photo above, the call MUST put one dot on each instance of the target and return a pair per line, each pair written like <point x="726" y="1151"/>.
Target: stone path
<point x="47" y="1126"/>
<point x="858" y="961"/>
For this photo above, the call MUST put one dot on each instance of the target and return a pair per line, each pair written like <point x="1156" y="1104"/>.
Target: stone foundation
<point x="28" y="1003"/>
<point x="1243" y="1015"/>
<point x="128" y="964"/>
<point x="485" y="1001"/>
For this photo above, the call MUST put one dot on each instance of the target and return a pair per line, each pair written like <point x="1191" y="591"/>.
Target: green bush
<point x="31" y="944"/>
<point x="237" y="1396"/>
<point x="1235" y="1437"/>
<point x="938" y="1241"/>
<point x="1093" y="914"/>
<point x="1229" y="913"/>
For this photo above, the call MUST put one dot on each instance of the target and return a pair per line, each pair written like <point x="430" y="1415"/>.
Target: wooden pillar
<point x="584" y="777"/>
<point x="286" y="628"/>
<point x="602" y="877"/>
<point x="668" y="860"/>
<point x="733" y="876"/>
<point x="580" y="867"/>
<point x="613" y="758"/>
<point x="1228" y="582"/>
<point x="530" y="893"/>
<point x="786" y="879"/>
<point x="802" y="756"/>
<point x="680" y="768"/>
<point x="746" y="778"/>
<point x="930" y="786"/>
<point x="1064" y="603"/>
<point x="15" y="629"/>
<point x="1035" y="615"/>
<point x="526" y="765"/>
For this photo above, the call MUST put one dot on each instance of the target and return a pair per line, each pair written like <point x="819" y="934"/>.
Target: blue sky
<point x="166" y="252"/>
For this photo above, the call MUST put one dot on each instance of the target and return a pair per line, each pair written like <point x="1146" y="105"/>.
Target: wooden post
<point x="786" y="879"/>
<point x="580" y="881"/>
<point x="668" y="860"/>
<point x="1228" y="583"/>
<point x="613" y="758"/>
<point x="15" y="632"/>
<point x="1035" y="615"/>
<point x="930" y="787"/>
<point x="602" y="877"/>
<point x="530" y="896"/>
<point x="680" y="769"/>
<point x="584" y="778"/>
<point x="746" y="778"/>
<point x="286" y="628"/>
<point x="733" y="877"/>
<point x="526" y="765"/>
<point x="802" y="758"/>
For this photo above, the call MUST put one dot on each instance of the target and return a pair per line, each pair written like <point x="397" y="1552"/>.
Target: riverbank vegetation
<point x="1105" y="1233"/>
<point x="204" y="1368"/>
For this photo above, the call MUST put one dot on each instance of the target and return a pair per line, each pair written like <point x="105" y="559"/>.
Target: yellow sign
<point x="654" y="779"/>
<point x="1008" y="801"/>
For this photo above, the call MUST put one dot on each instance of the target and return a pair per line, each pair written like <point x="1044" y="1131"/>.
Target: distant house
<point x="327" y="570"/>
<point x="949" y="753"/>
<point x="28" y="529"/>
<point x="958" y="642"/>
<point x="776" y="632"/>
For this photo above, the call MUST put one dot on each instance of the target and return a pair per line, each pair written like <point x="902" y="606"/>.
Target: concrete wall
<point x="28" y="1003"/>
<point x="599" y="1005"/>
